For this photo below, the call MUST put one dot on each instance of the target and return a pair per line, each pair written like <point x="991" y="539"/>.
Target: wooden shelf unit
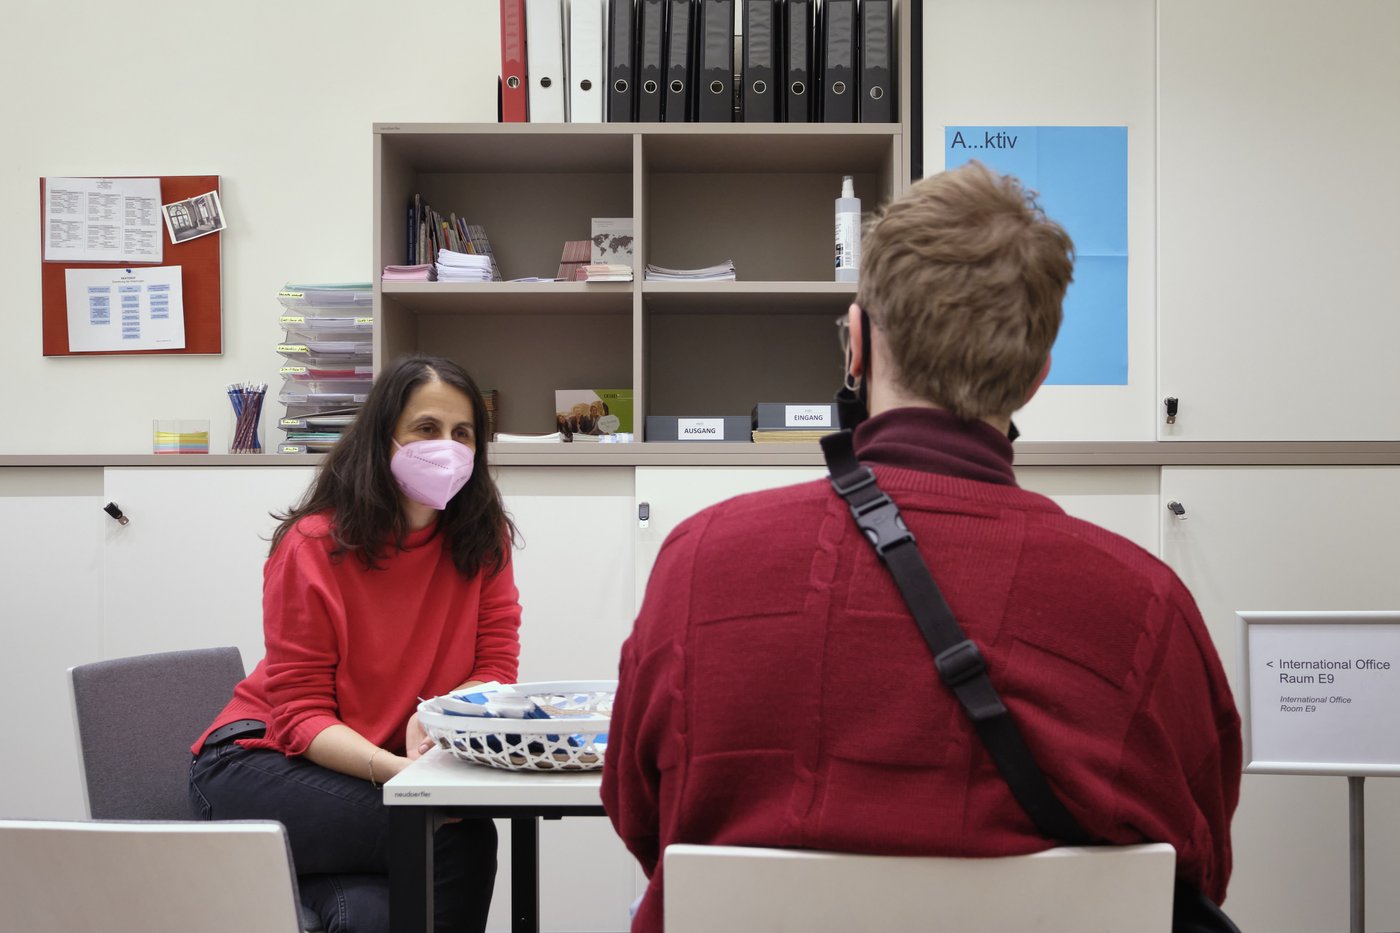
<point x="698" y="194"/>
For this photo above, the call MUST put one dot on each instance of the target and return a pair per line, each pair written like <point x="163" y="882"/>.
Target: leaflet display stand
<point x="200" y="272"/>
<point x="1319" y="695"/>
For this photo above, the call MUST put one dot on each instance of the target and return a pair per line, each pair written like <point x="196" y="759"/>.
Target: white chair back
<point x="140" y="877"/>
<point x="1065" y="890"/>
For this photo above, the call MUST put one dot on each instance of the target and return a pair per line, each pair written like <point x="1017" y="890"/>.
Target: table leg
<point x="411" y="869"/>
<point x="524" y="874"/>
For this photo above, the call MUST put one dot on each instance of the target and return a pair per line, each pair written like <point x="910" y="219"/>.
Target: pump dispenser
<point x="847" y="232"/>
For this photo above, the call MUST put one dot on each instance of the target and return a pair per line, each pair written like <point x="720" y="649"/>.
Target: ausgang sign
<point x="1320" y="692"/>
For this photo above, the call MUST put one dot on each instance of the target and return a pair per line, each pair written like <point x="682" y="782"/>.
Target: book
<point x="593" y="411"/>
<point x="612" y="241"/>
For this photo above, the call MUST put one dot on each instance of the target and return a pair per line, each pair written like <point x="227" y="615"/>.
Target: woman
<point x="391" y="581"/>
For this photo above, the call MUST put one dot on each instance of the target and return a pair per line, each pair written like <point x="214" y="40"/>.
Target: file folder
<point x="760" y="78"/>
<point x="651" y="34"/>
<point x="877" y="96"/>
<point x="544" y="60"/>
<point x="838" y="61"/>
<point x="586" y="61"/>
<point x="714" y="71"/>
<point x="798" y="93"/>
<point x="514" y="88"/>
<point x="680" y="70"/>
<point x="622" y="62"/>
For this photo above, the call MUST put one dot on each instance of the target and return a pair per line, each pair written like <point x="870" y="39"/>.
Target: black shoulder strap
<point x="958" y="659"/>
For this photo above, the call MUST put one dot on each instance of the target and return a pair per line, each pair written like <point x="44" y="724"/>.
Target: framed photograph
<point x="194" y="217"/>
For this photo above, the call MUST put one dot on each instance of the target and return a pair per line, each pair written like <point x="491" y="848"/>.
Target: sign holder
<point x="1319" y="695"/>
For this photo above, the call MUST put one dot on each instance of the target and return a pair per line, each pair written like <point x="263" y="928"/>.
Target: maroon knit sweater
<point x="776" y="692"/>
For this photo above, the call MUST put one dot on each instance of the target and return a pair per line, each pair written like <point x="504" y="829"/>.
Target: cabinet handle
<point x="111" y="509"/>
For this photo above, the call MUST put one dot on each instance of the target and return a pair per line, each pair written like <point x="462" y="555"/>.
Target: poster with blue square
<point x="1081" y="176"/>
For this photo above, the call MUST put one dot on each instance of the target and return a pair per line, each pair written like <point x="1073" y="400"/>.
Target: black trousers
<point x="338" y="828"/>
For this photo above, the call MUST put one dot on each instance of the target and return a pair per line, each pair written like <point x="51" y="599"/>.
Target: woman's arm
<point x="342" y="749"/>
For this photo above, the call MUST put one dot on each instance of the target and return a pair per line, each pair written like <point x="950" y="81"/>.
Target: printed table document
<point x="140" y="308"/>
<point x="102" y="220"/>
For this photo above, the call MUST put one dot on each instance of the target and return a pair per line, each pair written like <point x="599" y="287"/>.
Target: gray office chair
<point x="146" y="877"/>
<point x="135" y="719"/>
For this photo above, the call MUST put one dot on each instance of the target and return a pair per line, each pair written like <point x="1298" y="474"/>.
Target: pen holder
<point x="180" y="437"/>
<point x="246" y="399"/>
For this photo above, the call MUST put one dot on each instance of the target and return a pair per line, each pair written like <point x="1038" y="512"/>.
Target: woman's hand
<point x="415" y="739"/>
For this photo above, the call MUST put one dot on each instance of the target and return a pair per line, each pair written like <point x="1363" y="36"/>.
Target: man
<point x="775" y="690"/>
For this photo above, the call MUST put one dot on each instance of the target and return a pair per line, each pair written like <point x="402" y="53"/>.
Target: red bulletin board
<point x="200" y="275"/>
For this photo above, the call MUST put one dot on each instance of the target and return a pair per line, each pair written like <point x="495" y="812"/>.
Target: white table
<point x="437" y="781"/>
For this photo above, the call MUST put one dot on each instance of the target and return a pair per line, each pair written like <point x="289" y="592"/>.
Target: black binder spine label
<point x="760" y="90"/>
<point x="622" y="73"/>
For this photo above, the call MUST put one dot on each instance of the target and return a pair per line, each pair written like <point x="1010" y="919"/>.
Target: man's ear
<point x="1039" y="380"/>
<point x="853" y="321"/>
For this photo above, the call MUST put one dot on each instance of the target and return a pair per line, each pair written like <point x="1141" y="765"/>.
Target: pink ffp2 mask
<point x="432" y="472"/>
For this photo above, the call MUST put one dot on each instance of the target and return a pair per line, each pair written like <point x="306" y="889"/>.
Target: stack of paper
<point x="724" y="272"/>
<point x="462" y="267"/>
<point x="422" y="272"/>
<point x="607" y="272"/>
<point x="327" y="345"/>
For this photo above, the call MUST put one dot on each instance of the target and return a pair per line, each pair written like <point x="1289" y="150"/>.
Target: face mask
<point x="432" y="472"/>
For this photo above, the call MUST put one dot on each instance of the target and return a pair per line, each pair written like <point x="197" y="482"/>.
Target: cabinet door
<point x="187" y="571"/>
<point x="51" y="591"/>
<point x="1125" y="500"/>
<point x="575" y="572"/>
<point x="1276" y="234"/>
<point x="1322" y="538"/>
<point x="673" y="494"/>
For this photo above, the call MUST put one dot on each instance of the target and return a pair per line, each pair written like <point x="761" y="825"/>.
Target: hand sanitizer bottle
<point x="847" y="232"/>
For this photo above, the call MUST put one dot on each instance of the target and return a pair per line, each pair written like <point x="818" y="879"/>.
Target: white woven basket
<point x="563" y="744"/>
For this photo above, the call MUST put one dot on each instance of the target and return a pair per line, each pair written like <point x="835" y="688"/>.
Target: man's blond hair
<point x="964" y="275"/>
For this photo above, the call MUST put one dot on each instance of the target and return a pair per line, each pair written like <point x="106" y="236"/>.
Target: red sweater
<point x="776" y="692"/>
<point x="355" y="646"/>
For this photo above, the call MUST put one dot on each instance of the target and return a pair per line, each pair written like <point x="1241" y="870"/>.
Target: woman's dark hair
<point x="357" y="486"/>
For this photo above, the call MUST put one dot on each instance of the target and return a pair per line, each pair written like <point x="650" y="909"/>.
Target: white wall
<point x="278" y="99"/>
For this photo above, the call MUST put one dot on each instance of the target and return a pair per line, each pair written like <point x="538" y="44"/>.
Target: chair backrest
<point x="136" y="718"/>
<point x="1108" y="889"/>
<point x="139" y="877"/>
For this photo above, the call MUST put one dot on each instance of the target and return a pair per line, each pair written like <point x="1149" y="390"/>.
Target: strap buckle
<point x="853" y="482"/>
<point x="960" y="663"/>
<point x="881" y="522"/>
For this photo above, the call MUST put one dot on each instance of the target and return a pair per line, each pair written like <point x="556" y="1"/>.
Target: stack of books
<point x="453" y="266"/>
<point x="430" y="232"/>
<point x="723" y="272"/>
<point x="607" y="272"/>
<point x="328" y="349"/>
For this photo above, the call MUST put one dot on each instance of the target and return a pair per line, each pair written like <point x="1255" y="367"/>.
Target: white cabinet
<point x="187" y="571"/>
<point x="1263" y="538"/>
<point x="51" y="604"/>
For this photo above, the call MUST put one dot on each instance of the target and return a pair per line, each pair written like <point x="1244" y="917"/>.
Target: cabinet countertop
<point x="1028" y="454"/>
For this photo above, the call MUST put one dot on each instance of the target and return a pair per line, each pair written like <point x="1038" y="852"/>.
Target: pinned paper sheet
<point x="139" y="308"/>
<point x="1081" y="176"/>
<point x="102" y="220"/>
